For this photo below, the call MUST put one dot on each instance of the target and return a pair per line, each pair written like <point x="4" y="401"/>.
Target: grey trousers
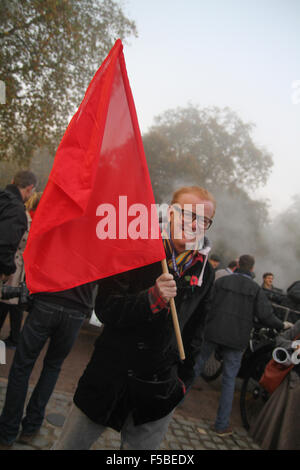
<point x="80" y="433"/>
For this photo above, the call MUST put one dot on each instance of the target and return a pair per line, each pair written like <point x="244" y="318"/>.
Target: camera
<point x="9" y="292"/>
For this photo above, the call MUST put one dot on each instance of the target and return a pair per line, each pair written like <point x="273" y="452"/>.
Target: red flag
<point x="99" y="185"/>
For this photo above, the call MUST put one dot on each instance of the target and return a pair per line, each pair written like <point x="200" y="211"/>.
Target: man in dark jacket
<point x="236" y="301"/>
<point x="292" y="302"/>
<point x="273" y="293"/>
<point x="131" y="383"/>
<point x="13" y="225"/>
<point x="55" y="316"/>
<point x="13" y="220"/>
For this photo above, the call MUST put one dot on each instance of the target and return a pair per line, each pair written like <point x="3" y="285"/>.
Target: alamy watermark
<point x="296" y="92"/>
<point x="2" y="92"/>
<point x="137" y="221"/>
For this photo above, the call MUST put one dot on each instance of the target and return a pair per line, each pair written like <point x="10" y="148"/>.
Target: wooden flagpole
<point x="174" y="316"/>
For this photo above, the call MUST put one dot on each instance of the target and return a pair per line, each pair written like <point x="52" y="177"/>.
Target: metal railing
<point x="287" y="310"/>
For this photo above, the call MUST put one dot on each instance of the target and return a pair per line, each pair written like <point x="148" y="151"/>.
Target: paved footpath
<point x="183" y="434"/>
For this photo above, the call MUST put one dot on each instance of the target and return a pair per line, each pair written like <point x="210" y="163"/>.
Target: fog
<point x="237" y="230"/>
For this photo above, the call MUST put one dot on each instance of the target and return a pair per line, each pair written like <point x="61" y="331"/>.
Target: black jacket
<point x="292" y="301"/>
<point x="134" y="367"/>
<point x="236" y="301"/>
<point x="293" y="293"/>
<point x="274" y="295"/>
<point x="13" y="224"/>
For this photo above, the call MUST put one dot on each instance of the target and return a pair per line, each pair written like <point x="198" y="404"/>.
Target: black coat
<point x="293" y="294"/>
<point x="292" y="301"/>
<point x="13" y="224"/>
<point x="236" y="301"/>
<point x="134" y="366"/>
<point x="274" y="295"/>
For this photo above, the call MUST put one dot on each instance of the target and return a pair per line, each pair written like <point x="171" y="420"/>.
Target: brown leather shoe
<point x="226" y="432"/>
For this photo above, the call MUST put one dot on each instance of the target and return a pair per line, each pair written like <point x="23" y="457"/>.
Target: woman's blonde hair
<point x="32" y="203"/>
<point x="204" y="194"/>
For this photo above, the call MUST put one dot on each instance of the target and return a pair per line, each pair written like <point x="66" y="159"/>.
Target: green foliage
<point x="214" y="148"/>
<point x="40" y="163"/>
<point x="7" y="171"/>
<point x="50" y="50"/>
<point x="211" y="147"/>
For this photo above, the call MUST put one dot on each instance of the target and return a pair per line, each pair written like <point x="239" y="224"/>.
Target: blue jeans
<point x="45" y="320"/>
<point x="15" y="317"/>
<point x="231" y="365"/>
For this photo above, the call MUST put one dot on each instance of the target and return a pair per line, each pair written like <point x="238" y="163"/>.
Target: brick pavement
<point x="184" y="433"/>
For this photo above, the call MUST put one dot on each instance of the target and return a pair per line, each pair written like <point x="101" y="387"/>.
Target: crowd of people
<point x="135" y="378"/>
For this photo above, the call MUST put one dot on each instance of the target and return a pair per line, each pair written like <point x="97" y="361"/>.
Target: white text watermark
<point x="137" y="221"/>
